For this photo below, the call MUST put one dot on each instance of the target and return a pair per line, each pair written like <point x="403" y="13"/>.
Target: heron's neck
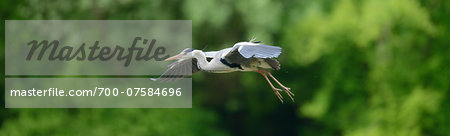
<point x="201" y="58"/>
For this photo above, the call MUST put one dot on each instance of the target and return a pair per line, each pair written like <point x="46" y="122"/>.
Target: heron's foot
<point x="288" y="92"/>
<point x="277" y="92"/>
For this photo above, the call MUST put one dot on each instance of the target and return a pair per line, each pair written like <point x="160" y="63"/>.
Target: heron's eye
<point x="257" y="42"/>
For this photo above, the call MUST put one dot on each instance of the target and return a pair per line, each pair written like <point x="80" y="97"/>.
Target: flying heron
<point x="243" y="56"/>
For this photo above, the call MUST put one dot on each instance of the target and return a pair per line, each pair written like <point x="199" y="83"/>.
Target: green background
<point x="357" y="67"/>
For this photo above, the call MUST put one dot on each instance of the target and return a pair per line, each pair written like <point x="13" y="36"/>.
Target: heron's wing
<point x="179" y="69"/>
<point x="244" y="51"/>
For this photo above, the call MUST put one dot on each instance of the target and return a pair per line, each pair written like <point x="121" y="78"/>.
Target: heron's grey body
<point x="243" y="56"/>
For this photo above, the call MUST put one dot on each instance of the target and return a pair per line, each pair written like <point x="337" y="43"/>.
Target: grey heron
<point x="243" y="56"/>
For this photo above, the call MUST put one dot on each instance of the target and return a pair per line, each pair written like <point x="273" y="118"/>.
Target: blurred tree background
<point x="357" y="67"/>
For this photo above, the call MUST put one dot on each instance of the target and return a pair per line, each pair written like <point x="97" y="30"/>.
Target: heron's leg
<point x="286" y="89"/>
<point x="276" y="90"/>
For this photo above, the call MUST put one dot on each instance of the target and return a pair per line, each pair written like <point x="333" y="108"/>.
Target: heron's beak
<point x="174" y="57"/>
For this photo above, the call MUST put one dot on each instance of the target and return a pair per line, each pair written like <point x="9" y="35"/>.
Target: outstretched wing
<point x="183" y="68"/>
<point x="179" y="69"/>
<point x="245" y="50"/>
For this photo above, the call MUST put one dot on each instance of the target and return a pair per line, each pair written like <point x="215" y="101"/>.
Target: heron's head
<point x="182" y="54"/>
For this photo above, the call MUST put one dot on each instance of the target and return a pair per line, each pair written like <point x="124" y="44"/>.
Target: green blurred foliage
<point x="111" y="122"/>
<point x="357" y="67"/>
